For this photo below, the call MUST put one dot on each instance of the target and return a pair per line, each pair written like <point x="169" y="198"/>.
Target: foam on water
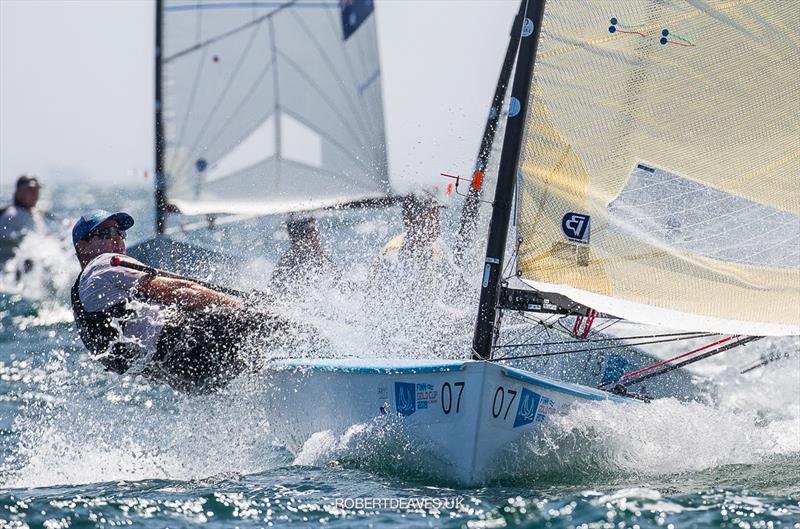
<point x="53" y="269"/>
<point x="83" y="425"/>
<point x="104" y="428"/>
<point x="110" y="431"/>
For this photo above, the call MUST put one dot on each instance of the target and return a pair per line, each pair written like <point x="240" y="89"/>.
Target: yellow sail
<point x="661" y="165"/>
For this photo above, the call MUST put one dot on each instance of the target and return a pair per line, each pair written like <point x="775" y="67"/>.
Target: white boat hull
<point x="466" y="415"/>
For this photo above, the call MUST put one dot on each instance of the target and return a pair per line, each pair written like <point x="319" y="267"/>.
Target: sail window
<point x="299" y="143"/>
<point x="252" y="150"/>
<point x="675" y="212"/>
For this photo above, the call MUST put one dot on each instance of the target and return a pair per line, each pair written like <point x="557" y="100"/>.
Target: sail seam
<point x="228" y="33"/>
<point x="339" y="81"/>
<point x="221" y="97"/>
<point x="324" y="96"/>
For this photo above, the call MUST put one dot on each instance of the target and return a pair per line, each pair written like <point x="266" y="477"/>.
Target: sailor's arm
<point x="187" y="294"/>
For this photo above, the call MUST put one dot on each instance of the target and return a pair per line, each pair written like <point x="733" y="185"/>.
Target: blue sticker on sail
<point x="201" y="165"/>
<point x="405" y="398"/>
<point x="575" y="227"/>
<point x="527" y="28"/>
<point x="513" y="107"/>
<point x="354" y="13"/>
<point x="527" y="407"/>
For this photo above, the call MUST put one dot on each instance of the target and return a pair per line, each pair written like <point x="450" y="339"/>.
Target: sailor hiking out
<point x="169" y="330"/>
<point x="20" y="217"/>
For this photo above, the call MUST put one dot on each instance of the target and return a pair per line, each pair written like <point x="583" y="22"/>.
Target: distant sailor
<point x="21" y="217"/>
<point x="419" y="251"/>
<point x="305" y="259"/>
<point x="169" y="330"/>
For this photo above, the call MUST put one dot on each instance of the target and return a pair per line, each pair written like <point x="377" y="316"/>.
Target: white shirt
<point x="102" y="286"/>
<point x="15" y="222"/>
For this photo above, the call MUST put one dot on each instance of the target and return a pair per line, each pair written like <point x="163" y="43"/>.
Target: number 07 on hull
<point x="463" y="417"/>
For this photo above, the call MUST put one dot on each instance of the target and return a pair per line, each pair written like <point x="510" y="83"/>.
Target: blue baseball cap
<point x="92" y="219"/>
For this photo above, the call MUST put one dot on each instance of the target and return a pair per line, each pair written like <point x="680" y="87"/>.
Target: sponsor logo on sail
<point x="405" y="398"/>
<point x="575" y="227"/>
<point x="354" y="13"/>
<point x="527" y="27"/>
<point x="527" y="408"/>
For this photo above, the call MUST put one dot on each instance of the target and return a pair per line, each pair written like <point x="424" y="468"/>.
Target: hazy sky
<point x="76" y="86"/>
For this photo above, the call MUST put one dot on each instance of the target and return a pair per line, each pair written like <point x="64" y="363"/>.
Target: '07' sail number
<point x="499" y="402"/>
<point x="447" y="397"/>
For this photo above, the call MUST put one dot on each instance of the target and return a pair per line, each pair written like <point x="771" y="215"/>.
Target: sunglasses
<point x="107" y="233"/>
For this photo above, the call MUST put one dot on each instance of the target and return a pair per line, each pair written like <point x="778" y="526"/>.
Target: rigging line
<point x="228" y="33"/>
<point x="566" y="330"/>
<point x="318" y="89"/>
<point x="235" y="113"/>
<point x="364" y="165"/>
<point x="538" y="321"/>
<point x="761" y="363"/>
<point x="193" y="149"/>
<point x="689" y="335"/>
<point x="511" y="260"/>
<point x="703" y="356"/>
<point x="764" y="360"/>
<point x="540" y="327"/>
<point x="601" y="328"/>
<point x="668" y="360"/>
<point x="598" y="330"/>
<point x="593" y="349"/>
<point x="322" y="52"/>
<point x="536" y="330"/>
<point x="335" y="29"/>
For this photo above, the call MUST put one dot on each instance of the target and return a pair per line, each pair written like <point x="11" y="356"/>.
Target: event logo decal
<point x="405" y="398"/>
<point x="409" y="398"/>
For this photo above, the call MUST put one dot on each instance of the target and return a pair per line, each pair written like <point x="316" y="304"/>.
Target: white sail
<point x="271" y="107"/>
<point x="661" y="162"/>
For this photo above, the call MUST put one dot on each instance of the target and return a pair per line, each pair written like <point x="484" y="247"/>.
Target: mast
<point x="506" y="178"/>
<point x="469" y="211"/>
<point x="160" y="192"/>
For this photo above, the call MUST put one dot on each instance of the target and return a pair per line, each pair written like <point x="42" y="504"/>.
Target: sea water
<point x="80" y="447"/>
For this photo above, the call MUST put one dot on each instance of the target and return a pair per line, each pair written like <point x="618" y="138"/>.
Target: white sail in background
<point x="271" y="107"/>
<point x="662" y="159"/>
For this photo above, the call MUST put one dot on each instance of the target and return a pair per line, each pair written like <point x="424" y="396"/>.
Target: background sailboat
<point x="264" y="108"/>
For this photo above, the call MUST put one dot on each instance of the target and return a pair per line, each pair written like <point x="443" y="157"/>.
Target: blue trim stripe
<point x="371" y="370"/>
<point x="245" y="5"/>
<point x="582" y="392"/>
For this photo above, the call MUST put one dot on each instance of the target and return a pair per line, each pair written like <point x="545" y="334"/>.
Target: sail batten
<point x="269" y="102"/>
<point x="661" y="161"/>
